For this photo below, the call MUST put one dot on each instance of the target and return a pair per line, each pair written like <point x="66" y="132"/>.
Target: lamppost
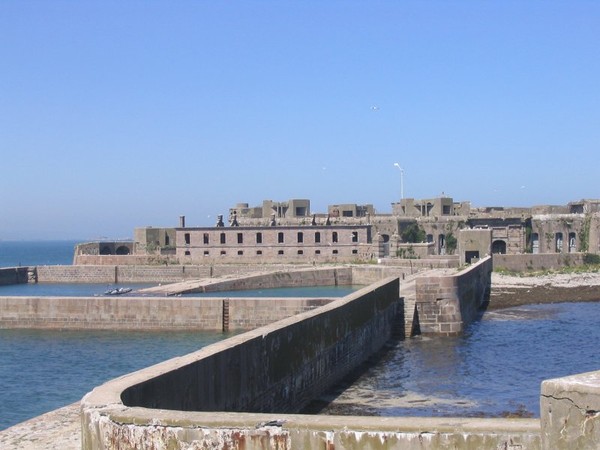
<point x="401" y="180"/>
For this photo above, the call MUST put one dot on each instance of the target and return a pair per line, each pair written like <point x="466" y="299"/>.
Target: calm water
<point x="45" y="370"/>
<point x="495" y="368"/>
<point x="36" y="253"/>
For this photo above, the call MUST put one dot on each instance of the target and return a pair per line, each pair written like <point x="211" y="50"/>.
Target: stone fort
<point x="288" y="232"/>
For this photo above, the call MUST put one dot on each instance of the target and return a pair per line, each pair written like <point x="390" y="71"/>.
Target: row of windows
<point x="259" y="252"/>
<point x="259" y="237"/>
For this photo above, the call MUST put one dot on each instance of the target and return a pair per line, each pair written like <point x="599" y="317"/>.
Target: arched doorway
<point x="499" y="247"/>
<point x="122" y="250"/>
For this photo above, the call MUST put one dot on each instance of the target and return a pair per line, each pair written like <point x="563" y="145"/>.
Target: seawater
<point x="494" y="369"/>
<point x="43" y="370"/>
<point x="36" y="253"/>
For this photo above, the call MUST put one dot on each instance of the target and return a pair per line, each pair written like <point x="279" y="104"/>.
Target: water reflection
<point x="494" y="369"/>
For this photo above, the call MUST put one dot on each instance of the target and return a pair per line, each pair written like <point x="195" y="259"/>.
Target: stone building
<point x="287" y="232"/>
<point x="247" y="244"/>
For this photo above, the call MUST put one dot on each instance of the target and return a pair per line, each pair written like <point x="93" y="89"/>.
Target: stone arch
<point x="105" y="250"/>
<point x="122" y="250"/>
<point x="499" y="247"/>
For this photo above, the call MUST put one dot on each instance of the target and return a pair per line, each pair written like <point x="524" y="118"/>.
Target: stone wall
<point x="445" y="304"/>
<point x="535" y="262"/>
<point x="149" y="273"/>
<point x="278" y="368"/>
<point x="149" y="313"/>
<point x="13" y="275"/>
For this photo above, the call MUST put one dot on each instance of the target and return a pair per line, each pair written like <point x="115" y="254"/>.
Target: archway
<point x="499" y="247"/>
<point x="122" y="250"/>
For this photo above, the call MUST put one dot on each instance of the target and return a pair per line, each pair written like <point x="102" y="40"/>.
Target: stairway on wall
<point x="409" y="292"/>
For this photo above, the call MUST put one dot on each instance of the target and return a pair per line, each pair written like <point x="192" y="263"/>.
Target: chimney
<point x="181" y="221"/>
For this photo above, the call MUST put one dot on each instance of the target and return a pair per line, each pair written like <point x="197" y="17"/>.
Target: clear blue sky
<point x="115" y="114"/>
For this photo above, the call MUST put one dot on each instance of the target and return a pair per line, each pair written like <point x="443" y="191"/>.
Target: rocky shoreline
<point x="508" y="290"/>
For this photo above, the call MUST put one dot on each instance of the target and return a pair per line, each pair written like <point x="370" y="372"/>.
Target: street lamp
<point x="401" y="180"/>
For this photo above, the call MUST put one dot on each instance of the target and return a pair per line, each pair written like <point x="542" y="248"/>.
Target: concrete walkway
<point x="56" y="430"/>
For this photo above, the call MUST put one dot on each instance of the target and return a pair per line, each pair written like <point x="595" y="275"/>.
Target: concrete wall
<point x="532" y="262"/>
<point x="149" y="313"/>
<point x="278" y="368"/>
<point x="446" y="304"/>
<point x="570" y="412"/>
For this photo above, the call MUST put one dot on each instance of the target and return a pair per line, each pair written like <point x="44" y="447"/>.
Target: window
<point x="223" y="238"/>
<point x="354" y="252"/>
<point x="572" y="237"/>
<point x="317" y="252"/>
<point x="223" y="252"/>
<point x="187" y="253"/>
<point x="206" y="253"/>
<point x="301" y="252"/>
<point x="167" y="240"/>
<point x="240" y="238"/>
<point x="280" y="252"/>
<point x="187" y="238"/>
<point x="347" y="213"/>
<point x="280" y="237"/>
<point x="335" y="252"/>
<point x="317" y="237"/>
<point x="559" y="242"/>
<point x="355" y="236"/>
<point x="259" y="252"/>
<point x="300" y="237"/>
<point x="334" y="236"/>
<point x="205" y="239"/>
<point x="240" y="252"/>
<point x="259" y="238"/>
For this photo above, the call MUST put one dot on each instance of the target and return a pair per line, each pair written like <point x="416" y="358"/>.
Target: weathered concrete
<point x="446" y="303"/>
<point x="56" y="430"/>
<point x="570" y="412"/>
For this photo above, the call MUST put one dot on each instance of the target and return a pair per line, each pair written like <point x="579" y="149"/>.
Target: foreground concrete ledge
<point x="570" y="412"/>
<point x="147" y="428"/>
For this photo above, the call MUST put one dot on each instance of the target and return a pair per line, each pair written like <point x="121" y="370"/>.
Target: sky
<point x="116" y="115"/>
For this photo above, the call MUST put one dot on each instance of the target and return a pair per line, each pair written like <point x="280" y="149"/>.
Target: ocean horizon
<point x="37" y="252"/>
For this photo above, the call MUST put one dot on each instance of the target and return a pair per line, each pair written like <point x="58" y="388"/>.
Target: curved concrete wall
<point x="277" y="368"/>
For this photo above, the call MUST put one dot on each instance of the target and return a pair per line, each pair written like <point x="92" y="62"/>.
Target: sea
<point x="494" y="369"/>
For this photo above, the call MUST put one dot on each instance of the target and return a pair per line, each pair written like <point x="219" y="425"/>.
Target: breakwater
<point x="276" y="368"/>
<point x="150" y="313"/>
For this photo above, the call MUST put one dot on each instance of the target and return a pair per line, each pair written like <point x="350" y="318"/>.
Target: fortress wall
<point x="277" y="369"/>
<point x="539" y="261"/>
<point x="308" y="277"/>
<point x="251" y="313"/>
<point x="13" y="275"/>
<point x="147" y="313"/>
<point x="126" y="313"/>
<point x="104" y="273"/>
<point x="446" y="304"/>
<point x="76" y="274"/>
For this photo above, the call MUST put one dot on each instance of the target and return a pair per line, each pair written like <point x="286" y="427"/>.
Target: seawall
<point x="447" y="303"/>
<point x="150" y="313"/>
<point x="278" y="368"/>
<point x="14" y="275"/>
